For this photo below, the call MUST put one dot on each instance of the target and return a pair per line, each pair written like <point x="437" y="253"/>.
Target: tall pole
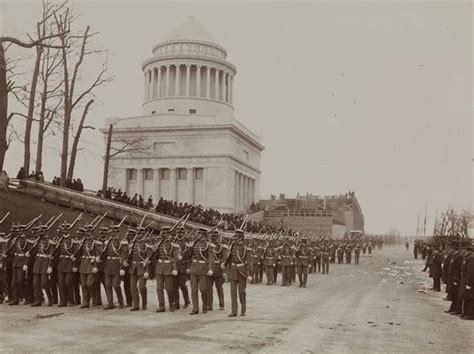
<point x="107" y="160"/>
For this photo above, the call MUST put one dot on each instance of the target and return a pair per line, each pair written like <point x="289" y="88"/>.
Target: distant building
<point x="322" y="215"/>
<point x="196" y="151"/>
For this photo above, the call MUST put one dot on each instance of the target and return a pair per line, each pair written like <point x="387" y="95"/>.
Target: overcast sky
<point x="372" y="97"/>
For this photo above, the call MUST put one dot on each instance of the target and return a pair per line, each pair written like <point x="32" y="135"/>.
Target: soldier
<point x="340" y="254"/>
<point x="356" y="253"/>
<point x="325" y="258"/>
<point x="369" y="248"/>
<point x="269" y="257"/>
<point x="42" y="268"/>
<point x="6" y="244"/>
<point x="364" y="248"/>
<point x="302" y="262"/>
<point x="20" y="267"/>
<point x="90" y="252"/>
<point x="435" y="268"/>
<point x="454" y="279"/>
<point x="166" y="269"/>
<point x="317" y="258"/>
<point x="114" y="253"/>
<point x="217" y="277"/>
<point x="66" y="251"/>
<point x="202" y="255"/>
<point x="348" y="252"/>
<point x="285" y="257"/>
<point x="139" y="254"/>
<point x="468" y="269"/>
<point x="239" y="261"/>
<point x="256" y="261"/>
<point x="183" y="270"/>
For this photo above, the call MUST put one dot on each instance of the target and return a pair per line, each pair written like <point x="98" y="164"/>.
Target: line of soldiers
<point x="70" y="268"/>
<point x="451" y="263"/>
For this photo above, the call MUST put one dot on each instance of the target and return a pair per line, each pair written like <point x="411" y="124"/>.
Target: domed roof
<point x="190" y="30"/>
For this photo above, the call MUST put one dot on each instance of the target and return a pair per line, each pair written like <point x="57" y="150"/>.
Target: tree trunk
<point x="31" y="108"/>
<point x="42" y="118"/>
<point x="75" y="143"/>
<point x="107" y="160"/>
<point x="3" y="106"/>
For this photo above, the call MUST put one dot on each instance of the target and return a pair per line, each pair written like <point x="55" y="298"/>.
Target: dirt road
<point x="372" y="307"/>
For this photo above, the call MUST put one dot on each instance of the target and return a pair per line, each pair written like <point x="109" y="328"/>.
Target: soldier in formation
<point x="84" y="259"/>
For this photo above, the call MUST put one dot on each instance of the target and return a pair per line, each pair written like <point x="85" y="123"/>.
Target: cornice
<point x="218" y="127"/>
<point x="156" y="46"/>
<point x="230" y="156"/>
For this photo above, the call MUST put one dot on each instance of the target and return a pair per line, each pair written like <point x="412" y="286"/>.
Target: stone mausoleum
<point x="192" y="149"/>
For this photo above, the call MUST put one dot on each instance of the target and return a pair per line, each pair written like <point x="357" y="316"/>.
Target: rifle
<point x="98" y="222"/>
<point x="3" y="219"/>
<point x="121" y="222"/>
<point x="53" y="222"/>
<point x="244" y="223"/>
<point x="178" y="222"/>
<point x="75" y="221"/>
<point x="33" y="221"/>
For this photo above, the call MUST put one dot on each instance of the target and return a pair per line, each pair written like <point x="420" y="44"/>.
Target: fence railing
<point x="297" y="213"/>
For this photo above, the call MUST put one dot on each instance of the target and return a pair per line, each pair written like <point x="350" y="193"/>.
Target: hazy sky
<point x="374" y="97"/>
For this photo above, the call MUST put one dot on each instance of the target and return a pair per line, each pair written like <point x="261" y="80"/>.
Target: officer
<point x="468" y="269"/>
<point x="302" y="262"/>
<point x="325" y="259"/>
<point x="356" y="253"/>
<point x="239" y="262"/>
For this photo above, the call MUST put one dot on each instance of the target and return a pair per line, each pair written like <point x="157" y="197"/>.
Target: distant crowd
<point x="74" y="183"/>
<point x="197" y="213"/>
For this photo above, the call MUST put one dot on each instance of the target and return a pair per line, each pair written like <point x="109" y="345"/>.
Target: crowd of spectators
<point x="36" y="175"/>
<point x="197" y="213"/>
<point x="74" y="184"/>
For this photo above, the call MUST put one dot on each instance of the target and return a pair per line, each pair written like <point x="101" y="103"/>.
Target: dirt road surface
<point x="383" y="305"/>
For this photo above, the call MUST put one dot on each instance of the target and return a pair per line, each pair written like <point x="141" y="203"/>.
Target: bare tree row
<point x="66" y="72"/>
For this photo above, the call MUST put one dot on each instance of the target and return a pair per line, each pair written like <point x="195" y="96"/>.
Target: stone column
<point x="173" y="184"/>
<point x="224" y="74"/>
<point x="204" y="186"/>
<point x="188" y="78"/>
<point x="125" y="181"/>
<point x="216" y="84"/>
<point x="249" y="191"/>
<point x="156" y="185"/>
<point x="252" y="196"/>
<point x="208" y="82"/>
<point x="140" y="181"/>
<point x="231" y="89"/>
<point x="167" y="88"/>
<point x="177" y="80"/>
<point x="241" y="191"/>
<point x="158" y="90"/>
<point x="236" y="188"/>
<point x="190" y="185"/>
<point x="146" y="85"/>
<point x="246" y="191"/>
<point x="198" y="81"/>
<point x="153" y="83"/>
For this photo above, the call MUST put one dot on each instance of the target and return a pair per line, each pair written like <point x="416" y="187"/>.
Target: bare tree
<point x="6" y="86"/>
<point x="43" y="28"/>
<point x="75" y="49"/>
<point x="50" y="99"/>
<point x="121" y="145"/>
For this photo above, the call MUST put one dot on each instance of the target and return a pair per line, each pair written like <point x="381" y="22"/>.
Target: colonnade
<point x="244" y="191"/>
<point x="189" y="80"/>
<point x="171" y="180"/>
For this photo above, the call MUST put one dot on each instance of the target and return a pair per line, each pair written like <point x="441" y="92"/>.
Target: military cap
<point x="81" y="230"/>
<point x="103" y="230"/>
<point x="239" y="232"/>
